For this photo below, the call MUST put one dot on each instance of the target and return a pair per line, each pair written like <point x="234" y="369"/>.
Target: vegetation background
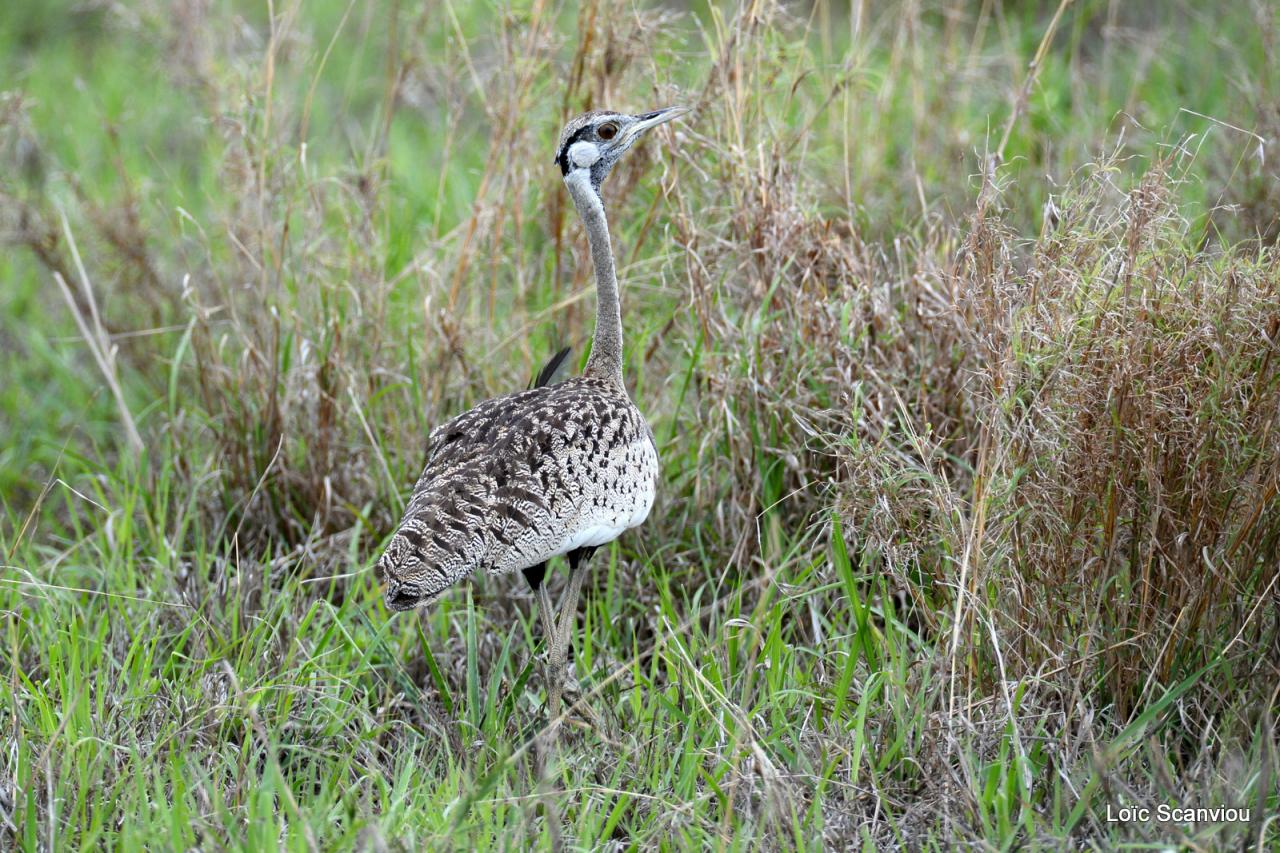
<point x="957" y="324"/>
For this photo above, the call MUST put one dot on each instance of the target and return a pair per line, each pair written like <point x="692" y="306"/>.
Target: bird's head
<point x="401" y="572"/>
<point x="419" y="566"/>
<point x="593" y="142"/>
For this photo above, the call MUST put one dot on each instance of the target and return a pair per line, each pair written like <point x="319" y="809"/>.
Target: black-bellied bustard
<point x="556" y="470"/>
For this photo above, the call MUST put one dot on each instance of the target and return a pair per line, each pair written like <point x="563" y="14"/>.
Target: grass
<point x="963" y="371"/>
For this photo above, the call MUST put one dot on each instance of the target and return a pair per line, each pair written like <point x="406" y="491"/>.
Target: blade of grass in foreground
<point x="1131" y="737"/>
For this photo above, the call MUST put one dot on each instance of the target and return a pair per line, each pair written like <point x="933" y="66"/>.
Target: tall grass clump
<point x="956" y="326"/>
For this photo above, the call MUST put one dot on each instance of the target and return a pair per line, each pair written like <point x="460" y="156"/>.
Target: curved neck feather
<point x="606" y="346"/>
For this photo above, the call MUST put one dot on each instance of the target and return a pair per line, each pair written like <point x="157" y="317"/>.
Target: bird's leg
<point x="569" y="603"/>
<point x="548" y="615"/>
<point x="534" y="575"/>
<point x="548" y="638"/>
<point x="558" y="656"/>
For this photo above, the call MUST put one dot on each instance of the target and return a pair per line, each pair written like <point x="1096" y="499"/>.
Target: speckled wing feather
<point x="522" y="478"/>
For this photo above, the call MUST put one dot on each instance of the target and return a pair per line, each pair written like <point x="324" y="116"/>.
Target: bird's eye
<point x="607" y="131"/>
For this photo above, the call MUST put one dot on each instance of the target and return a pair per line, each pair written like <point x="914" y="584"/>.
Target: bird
<point x="559" y="469"/>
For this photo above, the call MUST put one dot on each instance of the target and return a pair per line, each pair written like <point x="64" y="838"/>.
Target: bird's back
<point x="522" y="478"/>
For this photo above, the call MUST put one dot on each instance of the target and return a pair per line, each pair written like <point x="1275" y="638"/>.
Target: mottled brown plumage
<point x="520" y="479"/>
<point x="559" y="469"/>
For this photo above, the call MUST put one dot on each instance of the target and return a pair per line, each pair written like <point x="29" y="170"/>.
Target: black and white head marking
<point x="595" y="141"/>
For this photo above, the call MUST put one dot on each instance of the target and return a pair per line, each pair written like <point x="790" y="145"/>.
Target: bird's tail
<point x="547" y="375"/>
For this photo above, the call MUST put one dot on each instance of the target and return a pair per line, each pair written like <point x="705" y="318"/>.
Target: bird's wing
<point x="534" y="471"/>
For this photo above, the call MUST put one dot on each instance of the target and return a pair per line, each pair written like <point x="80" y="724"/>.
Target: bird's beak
<point x="651" y="120"/>
<point x="400" y="596"/>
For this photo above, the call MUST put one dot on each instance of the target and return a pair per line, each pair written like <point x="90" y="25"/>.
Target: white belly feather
<point x="624" y="507"/>
<point x="621" y="502"/>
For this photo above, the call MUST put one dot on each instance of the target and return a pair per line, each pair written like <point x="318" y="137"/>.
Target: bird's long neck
<point x="605" y="361"/>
